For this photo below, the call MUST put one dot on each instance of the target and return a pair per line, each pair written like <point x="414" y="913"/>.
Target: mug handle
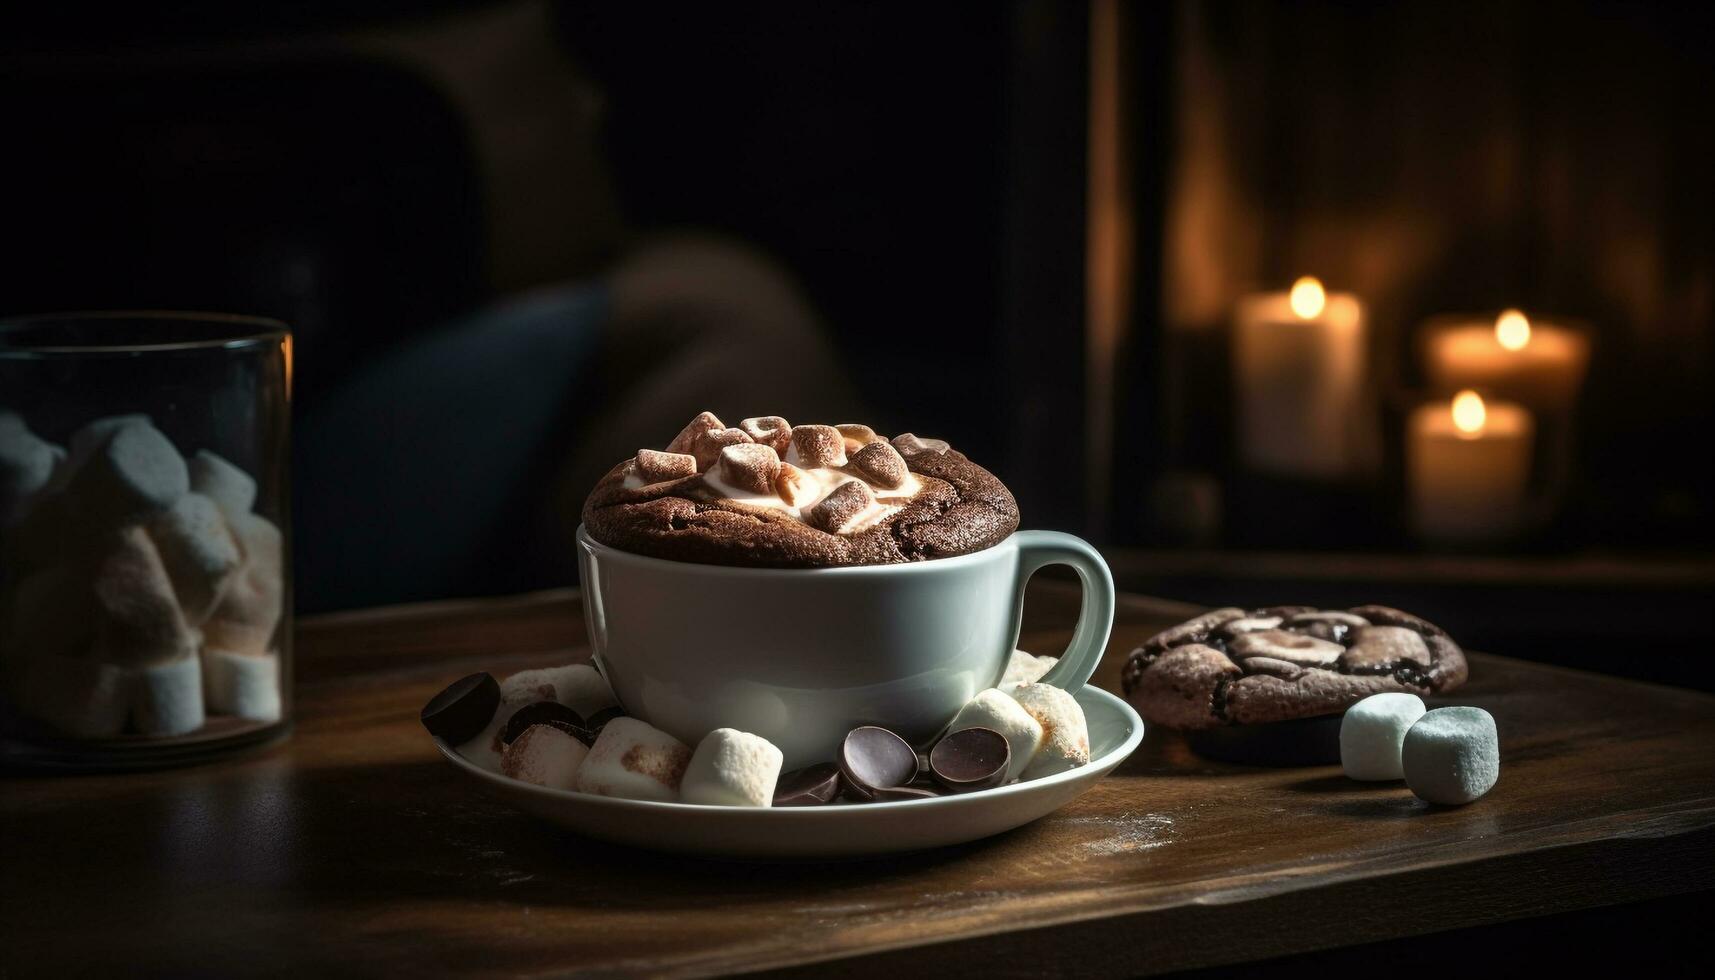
<point x="1037" y="549"/>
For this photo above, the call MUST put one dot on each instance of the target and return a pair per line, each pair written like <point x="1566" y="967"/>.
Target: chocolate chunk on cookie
<point x="1236" y="667"/>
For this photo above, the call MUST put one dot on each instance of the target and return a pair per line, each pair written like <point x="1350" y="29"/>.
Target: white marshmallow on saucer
<point x="994" y="709"/>
<point x="77" y="696"/>
<point x="1372" y="732"/>
<point x="732" y="768"/>
<point x="27" y="464"/>
<point x="198" y="551"/>
<point x="636" y="761"/>
<point x="1452" y="756"/>
<point x="1026" y="668"/>
<point x="242" y="684"/>
<point x="579" y="687"/>
<point x="249" y="609"/>
<point x="544" y="755"/>
<point x="232" y="489"/>
<point x="166" y="699"/>
<point x="127" y="471"/>
<point x="1065" y="734"/>
<point x="137" y="616"/>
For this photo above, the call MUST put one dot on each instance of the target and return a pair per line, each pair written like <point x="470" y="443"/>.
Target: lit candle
<point x="1298" y="371"/>
<point x="1538" y="363"/>
<point x="1468" y="464"/>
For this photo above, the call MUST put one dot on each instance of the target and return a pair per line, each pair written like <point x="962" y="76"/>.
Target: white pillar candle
<point x="1298" y="372"/>
<point x="1535" y="362"/>
<point x="1468" y="463"/>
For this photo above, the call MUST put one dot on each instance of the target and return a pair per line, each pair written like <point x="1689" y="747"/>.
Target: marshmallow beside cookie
<point x="141" y="592"/>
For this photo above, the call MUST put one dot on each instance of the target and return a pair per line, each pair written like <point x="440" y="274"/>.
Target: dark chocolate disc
<point x="972" y="758"/>
<point x="461" y="711"/>
<point x="543" y="713"/>
<point x="810" y="786"/>
<point x="893" y="794"/>
<point x="873" y="758"/>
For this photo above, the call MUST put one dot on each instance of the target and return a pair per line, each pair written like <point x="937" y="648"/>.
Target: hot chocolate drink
<point x="766" y="493"/>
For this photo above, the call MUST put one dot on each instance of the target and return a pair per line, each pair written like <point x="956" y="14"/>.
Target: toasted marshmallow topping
<point x="805" y="482"/>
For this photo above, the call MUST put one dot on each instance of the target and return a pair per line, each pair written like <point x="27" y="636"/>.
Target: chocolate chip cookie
<point x="1232" y="667"/>
<point x="766" y="493"/>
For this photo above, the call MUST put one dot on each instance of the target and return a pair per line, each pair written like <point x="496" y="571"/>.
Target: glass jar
<point x="145" y="537"/>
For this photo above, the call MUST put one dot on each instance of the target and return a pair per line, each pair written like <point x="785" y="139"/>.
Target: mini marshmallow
<point x="544" y="755"/>
<point x="1372" y="733"/>
<point x="912" y="443"/>
<point x="732" y="768"/>
<point x="1065" y="734"/>
<point x="994" y="709"/>
<point x="881" y="465"/>
<point x="88" y="440"/>
<point x="27" y="464"/>
<point x="232" y="489"/>
<point x="709" y="446"/>
<point x="1294" y="648"/>
<point x="198" y="552"/>
<point x="137" y="615"/>
<point x="1451" y="756"/>
<point x="856" y="436"/>
<point x="244" y="619"/>
<point x="131" y="472"/>
<point x="166" y="699"/>
<point x="242" y="684"/>
<point x="844" y="503"/>
<point x="579" y="687"/>
<point x="634" y="761"/>
<point x="654" y="467"/>
<point x="795" y="486"/>
<point x="816" y="447"/>
<point x="769" y="430"/>
<point x="748" y="467"/>
<point x="687" y="438"/>
<point x="1024" y="668"/>
<point x="80" y="697"/>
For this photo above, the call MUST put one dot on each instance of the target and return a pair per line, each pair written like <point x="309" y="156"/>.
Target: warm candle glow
<point x="1512" y="330"/>
<point x="1469" y="414"/>
<point x="1308" y="298"/>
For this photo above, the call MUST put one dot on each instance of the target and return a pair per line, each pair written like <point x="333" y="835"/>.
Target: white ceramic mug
<point x="802" y="656"/>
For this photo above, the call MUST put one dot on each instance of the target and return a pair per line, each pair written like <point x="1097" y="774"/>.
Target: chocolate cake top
<point x="1229" y="666"/>
<point x="766" y="493"/>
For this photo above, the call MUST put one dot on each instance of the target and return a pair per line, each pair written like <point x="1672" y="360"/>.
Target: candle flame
<point x="1308" y="298"/>
<point x="1512" y="330"/>
<point x="1469" y="414"/>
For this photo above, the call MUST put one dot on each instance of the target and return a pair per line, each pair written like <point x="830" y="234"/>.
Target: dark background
<point x="921" y="172"/>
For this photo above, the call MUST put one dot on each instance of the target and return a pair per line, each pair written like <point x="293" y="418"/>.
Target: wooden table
<point x="353" y="849"/>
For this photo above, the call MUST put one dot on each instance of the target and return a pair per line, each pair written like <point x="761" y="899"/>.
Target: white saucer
<point x="834" y="831"/>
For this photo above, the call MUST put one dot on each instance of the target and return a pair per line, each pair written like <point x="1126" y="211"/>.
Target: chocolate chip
<point x="811" y="786"/>
<point x="543" y="713"/>
<point x="873" y="758"/>
<point x="461" y="711"/>
<point x="971" y="758"/>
